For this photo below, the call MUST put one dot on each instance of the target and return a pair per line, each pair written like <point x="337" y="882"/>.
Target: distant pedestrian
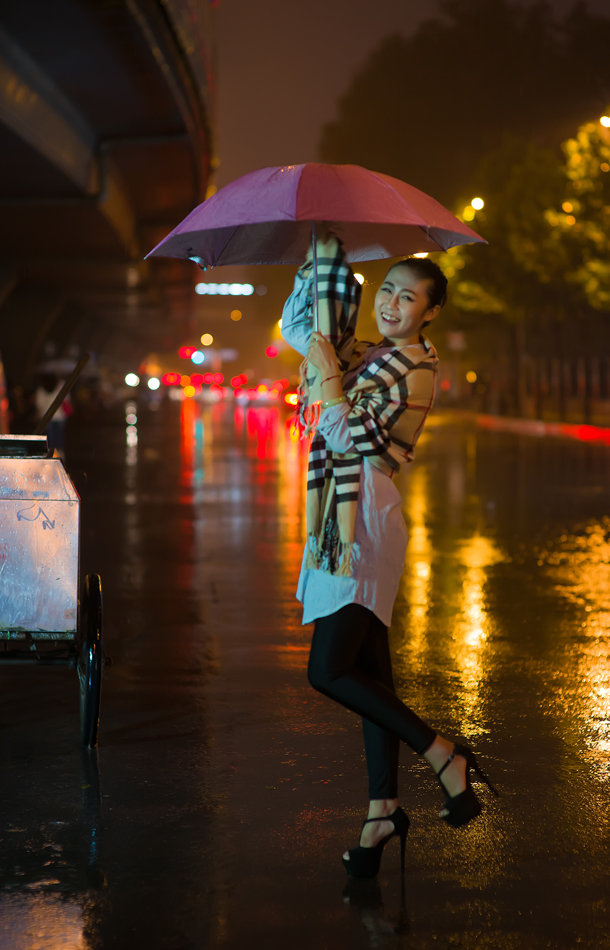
<point x="374" y="398"/>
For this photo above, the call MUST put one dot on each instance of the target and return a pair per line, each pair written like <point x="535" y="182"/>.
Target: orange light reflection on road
<point x="579" y="568"/>
<point x="49" y="921"/>
<point x="442" y="617"/>
<point x="472" y="626"/>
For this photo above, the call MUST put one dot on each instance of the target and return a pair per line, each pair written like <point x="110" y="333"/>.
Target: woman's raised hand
<point x="322" y="354"/>
<point x="326" y="245"/>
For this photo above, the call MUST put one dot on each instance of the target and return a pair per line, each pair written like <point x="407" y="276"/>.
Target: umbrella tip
<point x="199" y="261"/>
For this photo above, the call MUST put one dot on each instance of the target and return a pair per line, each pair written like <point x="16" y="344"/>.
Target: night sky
<point x="282" y="67"/>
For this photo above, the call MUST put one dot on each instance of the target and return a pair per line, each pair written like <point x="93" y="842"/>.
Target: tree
<point x="426" y="108"/>
<point x="498" y="296"/>
<point x="579" y="226"/>
<point x="546" y="270"/>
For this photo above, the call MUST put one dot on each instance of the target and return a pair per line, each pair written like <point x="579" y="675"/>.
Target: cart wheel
<point x="90" y="660"/>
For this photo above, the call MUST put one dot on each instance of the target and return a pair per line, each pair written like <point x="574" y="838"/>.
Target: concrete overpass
<point x="106" y="142"/>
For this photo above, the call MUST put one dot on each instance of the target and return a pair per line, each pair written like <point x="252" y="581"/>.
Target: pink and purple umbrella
<point x="267" y="217"/>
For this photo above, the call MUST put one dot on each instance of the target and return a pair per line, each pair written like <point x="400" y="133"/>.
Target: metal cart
<point x="46" y="615"/>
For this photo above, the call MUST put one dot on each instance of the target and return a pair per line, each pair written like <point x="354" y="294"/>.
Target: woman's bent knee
<point x="319" y="678"/>
<point x="314" y="678"/>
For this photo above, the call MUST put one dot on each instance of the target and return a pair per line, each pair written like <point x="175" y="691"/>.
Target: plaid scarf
<point x="390" y="391"/>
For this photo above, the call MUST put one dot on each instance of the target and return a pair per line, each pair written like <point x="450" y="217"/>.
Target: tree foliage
<point x="425" y="108"/>
<point x="548" y="227"/>
<point x="579" y="225"/>
<point x="518" y="181"/>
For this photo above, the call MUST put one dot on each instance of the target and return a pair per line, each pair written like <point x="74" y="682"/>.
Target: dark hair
<point x="427" y="270"/>
<point x="48" y="382"/>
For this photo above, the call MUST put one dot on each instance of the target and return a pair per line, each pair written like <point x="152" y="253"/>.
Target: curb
<point x="537" y="427"/>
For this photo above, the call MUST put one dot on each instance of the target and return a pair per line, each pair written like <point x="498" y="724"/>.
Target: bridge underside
<point x="105" y="144"/>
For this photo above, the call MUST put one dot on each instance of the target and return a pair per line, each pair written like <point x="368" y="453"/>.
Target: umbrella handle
<point x="314" y="257"/>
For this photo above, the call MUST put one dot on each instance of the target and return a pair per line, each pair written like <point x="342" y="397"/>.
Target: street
<point x="224" y="789"/>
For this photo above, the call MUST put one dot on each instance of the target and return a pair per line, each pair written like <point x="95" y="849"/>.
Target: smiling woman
<point x="374" y="400"/>
<point x="410" y="297"/>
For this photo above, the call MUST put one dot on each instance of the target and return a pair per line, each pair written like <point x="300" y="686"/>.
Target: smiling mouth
<point x="388" y="319"/>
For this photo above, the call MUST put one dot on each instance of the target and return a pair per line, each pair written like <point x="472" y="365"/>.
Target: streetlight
<point x="469" y="212"/>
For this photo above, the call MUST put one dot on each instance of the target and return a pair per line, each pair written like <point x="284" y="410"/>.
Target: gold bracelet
<point x="333" y="402"/>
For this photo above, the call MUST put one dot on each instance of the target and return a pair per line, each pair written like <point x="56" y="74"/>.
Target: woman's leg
<point x="381" y="747"/>
<point x="335" y="670"/>
<point x="340" y="665"/>
<point x="350" y="662"/>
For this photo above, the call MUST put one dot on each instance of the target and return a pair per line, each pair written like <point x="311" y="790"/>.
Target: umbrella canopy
<point x="266" y="217"/>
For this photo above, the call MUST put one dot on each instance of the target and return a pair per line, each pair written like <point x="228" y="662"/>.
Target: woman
<point x="373" y="401"/>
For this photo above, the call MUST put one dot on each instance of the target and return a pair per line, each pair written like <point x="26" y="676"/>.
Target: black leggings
<point x="350" y="662"/>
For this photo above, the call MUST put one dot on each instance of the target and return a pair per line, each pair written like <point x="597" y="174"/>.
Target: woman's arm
<point x="386" y="423"/>
<point x="334" y="428"/>
<point x="338" y="300"/>
<point x="297" y="313"/>
<point x="323" y="356"/>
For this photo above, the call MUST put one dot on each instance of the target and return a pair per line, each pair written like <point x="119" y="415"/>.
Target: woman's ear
<point x="431" y="314"/>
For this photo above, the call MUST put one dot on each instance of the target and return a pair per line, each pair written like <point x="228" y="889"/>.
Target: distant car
<point x="268" y="394"/>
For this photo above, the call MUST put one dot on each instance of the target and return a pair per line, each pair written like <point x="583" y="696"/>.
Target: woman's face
<point x="402" y="305"/>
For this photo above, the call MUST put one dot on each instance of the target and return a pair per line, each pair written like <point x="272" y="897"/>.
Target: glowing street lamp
<point x="469" y="212"/>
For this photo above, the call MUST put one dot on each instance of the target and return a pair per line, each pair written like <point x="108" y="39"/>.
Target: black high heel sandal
<point x="465" y="806"/>
<point x="364" y="862"/>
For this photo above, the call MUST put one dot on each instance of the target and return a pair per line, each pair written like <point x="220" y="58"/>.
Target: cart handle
<point x="61" y="395"/>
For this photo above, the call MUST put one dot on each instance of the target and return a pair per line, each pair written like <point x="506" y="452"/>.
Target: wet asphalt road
<point x="225" y="790"/>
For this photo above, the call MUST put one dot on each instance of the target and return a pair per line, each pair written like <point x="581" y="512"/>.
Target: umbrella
<point x="269" y="217"/>
<point x="265" y="217"/>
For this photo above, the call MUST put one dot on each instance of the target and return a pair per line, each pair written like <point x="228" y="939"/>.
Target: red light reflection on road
<point x="187" y="440"/>
<point x="261" y="427"/>
<point x="584" y="433"/>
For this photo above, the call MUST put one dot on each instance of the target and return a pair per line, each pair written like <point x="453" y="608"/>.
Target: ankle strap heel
<point x="465" y="806"/>
<point x="365" y="862"/>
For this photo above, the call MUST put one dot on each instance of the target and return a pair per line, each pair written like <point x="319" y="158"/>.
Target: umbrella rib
<point x="217" y="252"/>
